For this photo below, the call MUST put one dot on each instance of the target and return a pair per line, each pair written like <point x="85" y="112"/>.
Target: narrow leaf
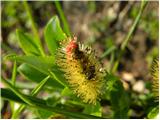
<point x="8" y="84"/>
<point x="153" y="113"/>
<point x="34" y="28"/>
<point x="27" y="43"/>
<point x="41" y="104"/>
<point x="40" y="63"/>
<point x="93" y="109"/>
<point x="63" y="18"/>
<point x="34" y="92"/>
<point x="11" y="95"/>
<point x="30" y="73"/>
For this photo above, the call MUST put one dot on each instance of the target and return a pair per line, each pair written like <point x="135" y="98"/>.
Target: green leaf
<point x="43" y="64"/>
<point x="16" y="91"/>
<point x="57" y="75"/>
<point x="43" y="114"/>
<point x="53" y="101"/>
<point x="27" y="43"/>
<point x="32" y="74"/>
<point x="93" y="109"/>
<point x="41" y="104"/>
<point x="153" y="113"/>
<point x="53" y="33"/>
<point x="34" y="92"/>
<point x="9" y="95"/>
<point x="67" y="92"/>
<point x="118" y="97"/>
<point x="34" y="28"/>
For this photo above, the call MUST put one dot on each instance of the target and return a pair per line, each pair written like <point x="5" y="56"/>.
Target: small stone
<point x="139" y="86"/>
<point x="128" y="77"/>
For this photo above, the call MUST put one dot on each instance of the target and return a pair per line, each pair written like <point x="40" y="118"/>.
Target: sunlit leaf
<point x="32" y="74"/>
<point x="93" y="109"/>
<point x="53" y="33"/>
<point x="153" y="113"/>
<point x="27" y="43"/>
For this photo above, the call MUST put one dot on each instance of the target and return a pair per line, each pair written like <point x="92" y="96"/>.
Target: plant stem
<point x="129" y="35"/>
<point x="13" y="79"/>
<point x="65" y="23"/>
<point x="111" y="61"/>
<point x="34" y="28"/>
<point x="132" y="29"/>
<point x="34" y="92"/>
<point x="14" y="73"/>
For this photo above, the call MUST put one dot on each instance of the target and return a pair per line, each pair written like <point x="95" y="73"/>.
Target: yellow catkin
<point x="155" y="78"/>
<point x="84" y="74"/>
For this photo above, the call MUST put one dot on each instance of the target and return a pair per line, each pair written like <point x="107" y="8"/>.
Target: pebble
<point x="128" y="77"/>
<point x="139" y="86"/>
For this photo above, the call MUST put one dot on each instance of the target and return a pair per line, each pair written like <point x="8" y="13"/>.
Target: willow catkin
<point x="155" y="79"/>
<point x="82" y="70"/>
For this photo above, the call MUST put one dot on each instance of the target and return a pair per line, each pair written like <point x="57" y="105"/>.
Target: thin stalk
<point x="129" y="35"/>
<point x="7" y="83"/>
<point x="111" y="61"/>
<point x="115" y="66"/>
<point x="13" y="79"/>
<point x="62" y="16"/>
<point x="34" y="92"/>
<point x="34" y="28"/>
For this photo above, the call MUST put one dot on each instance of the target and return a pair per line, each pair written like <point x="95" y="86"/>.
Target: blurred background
<point x="102" y="25"/>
